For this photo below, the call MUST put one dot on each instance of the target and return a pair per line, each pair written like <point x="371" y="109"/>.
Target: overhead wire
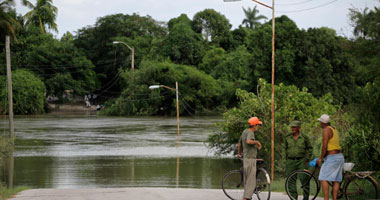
<point x="312" y="8"/>
<point x="292" y="4"/>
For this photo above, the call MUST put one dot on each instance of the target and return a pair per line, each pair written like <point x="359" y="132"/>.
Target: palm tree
<point x="42" y="14"/>
<point x="7" y="23"/>
<point x="251" y="19"/>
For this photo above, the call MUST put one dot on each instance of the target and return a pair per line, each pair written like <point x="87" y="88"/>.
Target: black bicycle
<point x="355" y="185"/>
<point x="233" y="183"/>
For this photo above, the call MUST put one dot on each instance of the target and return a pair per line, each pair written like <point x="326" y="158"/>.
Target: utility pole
<point x="9" y="75"/>
<point x="273" y="53"/>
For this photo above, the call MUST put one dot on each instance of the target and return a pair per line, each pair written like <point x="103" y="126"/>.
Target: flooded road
<point x="93" y="152"/>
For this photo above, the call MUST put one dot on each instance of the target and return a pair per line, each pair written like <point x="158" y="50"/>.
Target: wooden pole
<point x="9" y="75"/>
<point x="273" y="56"/>
<point x="176" y="89"/>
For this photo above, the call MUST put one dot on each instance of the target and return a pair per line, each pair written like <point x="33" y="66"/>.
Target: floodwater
<point x="90" y="151"/>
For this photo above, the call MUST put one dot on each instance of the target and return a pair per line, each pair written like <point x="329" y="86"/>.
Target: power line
<point x="292" y="4"/>
<point x="308" y="8"/>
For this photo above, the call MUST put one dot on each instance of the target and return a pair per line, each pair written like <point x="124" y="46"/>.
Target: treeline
<point x="209" y="60"/>
<point x="222" y="59"/>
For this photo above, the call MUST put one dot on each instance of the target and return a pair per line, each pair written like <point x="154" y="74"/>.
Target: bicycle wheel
<point x="262" y="184"/>
<point x="301" y="184"/>
<point x="361" y="188"/>
<point x="233" y="185"/>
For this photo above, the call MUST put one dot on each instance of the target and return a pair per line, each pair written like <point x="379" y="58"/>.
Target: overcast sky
<point x="76" y="14"/>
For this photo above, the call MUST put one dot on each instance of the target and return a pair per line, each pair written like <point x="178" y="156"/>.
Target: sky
<point x="76" y="14"/>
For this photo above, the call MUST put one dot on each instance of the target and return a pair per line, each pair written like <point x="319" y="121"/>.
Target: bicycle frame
<point x="347" y="177"/>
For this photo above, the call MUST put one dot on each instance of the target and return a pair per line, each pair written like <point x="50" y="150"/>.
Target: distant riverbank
<point x="71" y="108"/>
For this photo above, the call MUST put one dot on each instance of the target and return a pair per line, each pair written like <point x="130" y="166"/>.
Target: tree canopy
<point x="219" y="69"/>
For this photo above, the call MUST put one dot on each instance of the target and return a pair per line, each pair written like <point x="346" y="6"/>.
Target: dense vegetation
<point x="218" y="70"/>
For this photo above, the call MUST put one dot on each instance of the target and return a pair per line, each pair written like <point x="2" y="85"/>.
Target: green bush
<point x="199" y="93"/>
<point x="28" y="93"/>
<point x="290" y="103"/>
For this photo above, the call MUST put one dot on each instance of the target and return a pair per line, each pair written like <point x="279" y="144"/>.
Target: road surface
<point x="128" y="194"/>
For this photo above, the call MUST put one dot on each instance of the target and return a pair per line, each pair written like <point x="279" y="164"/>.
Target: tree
<point x="214" y="27"/>
<point x="361" y="119"/>
<point x="60" y="64"/>
<point x="96" y="41"/>
<point x="42" y="14"/>
<point x="366" y="23"/>
<point x="235" y="67"/>
<point x="252" y="18"/>
<point x="7" y="23"/>
<point x="199" y="92"/>
<point x="28" y="93"/>
<point x="291" y="103"/>
<point x="211" y="59"/>
<point x="259" y="43"/>
<point x="324" y="65"/>
<point x="182" y="45"/>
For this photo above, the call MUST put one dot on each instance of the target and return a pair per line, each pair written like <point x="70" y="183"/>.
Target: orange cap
<point x="254" y="121"/>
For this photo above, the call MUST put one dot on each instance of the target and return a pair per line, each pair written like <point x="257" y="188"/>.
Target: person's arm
<point x="255" y="142"/>
<point x="285" y="149"/>
<point x="325" y="140"/>
<point x="239" y="148"/>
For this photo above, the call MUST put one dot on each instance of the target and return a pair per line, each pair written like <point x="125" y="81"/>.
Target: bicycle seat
<point x="259" y="161"/>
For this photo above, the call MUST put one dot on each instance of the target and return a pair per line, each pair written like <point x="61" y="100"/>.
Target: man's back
<point x="249" y="150"/>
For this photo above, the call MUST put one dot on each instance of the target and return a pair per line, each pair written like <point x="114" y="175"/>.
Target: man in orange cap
<point x="250" y="145"/>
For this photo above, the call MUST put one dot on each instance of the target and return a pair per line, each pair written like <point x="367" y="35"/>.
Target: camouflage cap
<point x="295" y="123"/>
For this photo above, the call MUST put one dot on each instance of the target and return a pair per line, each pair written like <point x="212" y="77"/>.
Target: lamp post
<point x="133" y="53"/>
<point x="152" y="87"/>
<point x="273" y="51"/>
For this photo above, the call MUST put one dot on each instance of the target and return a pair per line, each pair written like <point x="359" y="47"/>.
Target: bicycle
<point x="355" y="185"/>
<point x="233" y="183"/>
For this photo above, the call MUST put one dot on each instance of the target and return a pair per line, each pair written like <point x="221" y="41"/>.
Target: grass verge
<point x="6" y="193"/>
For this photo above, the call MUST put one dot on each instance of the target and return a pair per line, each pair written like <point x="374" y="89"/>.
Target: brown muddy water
<point x="68" y="151"/>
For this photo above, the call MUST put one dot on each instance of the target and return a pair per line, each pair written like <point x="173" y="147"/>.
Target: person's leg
<point x="306" y="186"/>
<point x="325" y="189"/>
<point x="335" y="189"/>
<point x="291" y="166"/>
<point x="250" y="172"/>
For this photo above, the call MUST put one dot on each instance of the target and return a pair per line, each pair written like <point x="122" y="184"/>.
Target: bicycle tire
<point x="262" y="189"/>
<point x="233" y="185"/>
<point x="293" y="185"/>
<point x="361" y="188"/>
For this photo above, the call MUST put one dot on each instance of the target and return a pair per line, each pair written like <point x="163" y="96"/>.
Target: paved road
<point x="128" y="194"/>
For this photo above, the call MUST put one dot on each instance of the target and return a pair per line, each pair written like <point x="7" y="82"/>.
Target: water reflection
<point x="88" y="152"/>
<point x="85" y="172"/>
<point x="7" y="168"/>
<point x="10" y="169"/>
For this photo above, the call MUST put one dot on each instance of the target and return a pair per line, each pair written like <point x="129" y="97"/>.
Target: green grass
<point x="6" y="193"/>
<point x="278" y="185"/>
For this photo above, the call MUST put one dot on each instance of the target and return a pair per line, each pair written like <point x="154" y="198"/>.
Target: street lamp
<point x="152" y="87"/>
<point x="273" y="48"/>
<point x="133" y="53"/>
